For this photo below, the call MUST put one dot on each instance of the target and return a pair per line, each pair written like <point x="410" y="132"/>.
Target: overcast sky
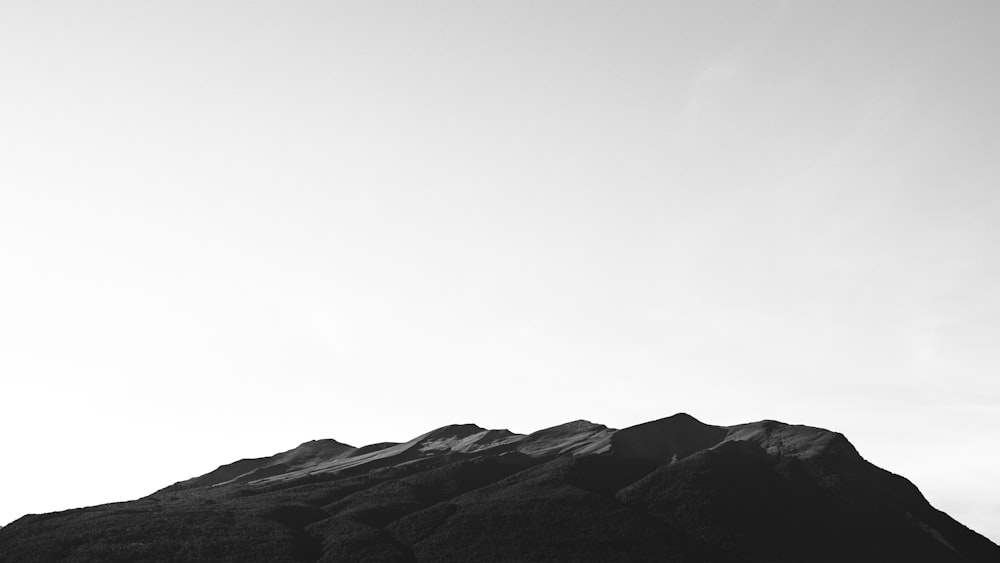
<point x="227" y="228"/>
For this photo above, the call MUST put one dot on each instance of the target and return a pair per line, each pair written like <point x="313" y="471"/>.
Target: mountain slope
<point x="673" y="489"/>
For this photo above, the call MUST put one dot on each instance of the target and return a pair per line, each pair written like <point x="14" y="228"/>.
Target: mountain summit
<point x="673" y="489"/>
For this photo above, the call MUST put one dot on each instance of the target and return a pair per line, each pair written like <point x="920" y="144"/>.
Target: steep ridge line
<point x="659" y="441"/>
<point x="673" y="489"/>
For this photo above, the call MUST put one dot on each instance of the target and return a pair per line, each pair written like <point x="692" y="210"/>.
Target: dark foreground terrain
<point x="673" y="490"/>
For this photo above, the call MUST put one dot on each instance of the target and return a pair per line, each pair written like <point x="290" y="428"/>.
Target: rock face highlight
<point x="673" y="489"/>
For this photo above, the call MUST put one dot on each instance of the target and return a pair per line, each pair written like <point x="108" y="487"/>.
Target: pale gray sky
<point x="230" y="227"/>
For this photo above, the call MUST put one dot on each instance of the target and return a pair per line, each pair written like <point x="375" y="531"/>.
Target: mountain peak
<point x="666" y="439"/>
<point x="571" y="438"/>
<point x="803" y="442"/>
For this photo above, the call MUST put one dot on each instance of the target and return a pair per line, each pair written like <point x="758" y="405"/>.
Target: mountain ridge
<point x="672" y="489"/>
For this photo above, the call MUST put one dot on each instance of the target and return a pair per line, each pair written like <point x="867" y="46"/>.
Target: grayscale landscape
<point x="673" y="489"/>
<point x="228" y="227"/>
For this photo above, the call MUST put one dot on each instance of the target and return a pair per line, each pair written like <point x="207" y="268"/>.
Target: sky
<point x="230" y="227"/>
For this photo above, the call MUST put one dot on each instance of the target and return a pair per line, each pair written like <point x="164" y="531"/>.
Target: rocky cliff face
<point x="673" y="489"/>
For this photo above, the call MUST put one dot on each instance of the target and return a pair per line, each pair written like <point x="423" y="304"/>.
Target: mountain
<point x="674" y="490"/>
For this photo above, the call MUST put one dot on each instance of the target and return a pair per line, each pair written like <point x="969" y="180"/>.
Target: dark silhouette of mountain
<point x="673" y="490"/>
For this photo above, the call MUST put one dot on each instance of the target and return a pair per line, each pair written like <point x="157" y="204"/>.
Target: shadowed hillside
<point x="673" y="489"/>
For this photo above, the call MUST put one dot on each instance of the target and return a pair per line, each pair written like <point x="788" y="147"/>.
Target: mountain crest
<point x="672" y="489"/>
<point x="666" y="439"/>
